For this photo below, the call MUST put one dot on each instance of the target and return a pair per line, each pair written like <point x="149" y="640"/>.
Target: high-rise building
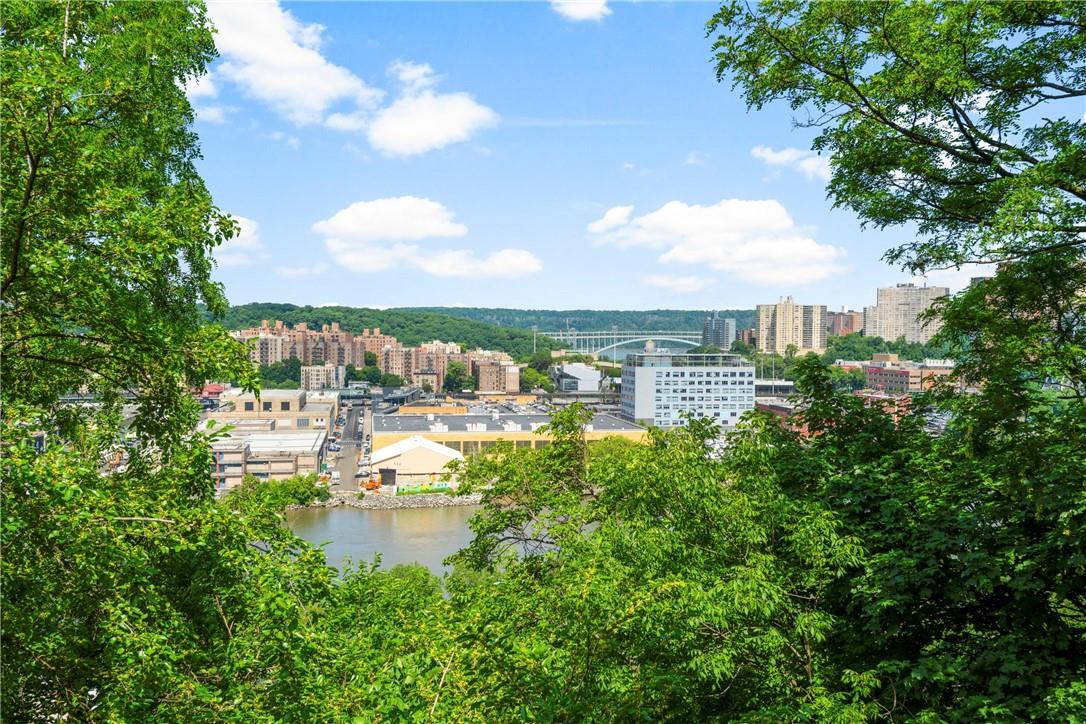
<point x="897" y="313"/>
<point x="787" y="324"/>
<point x="840" y="324"/>
<point x="658" y="387"/>
<point x="719" y="332"/>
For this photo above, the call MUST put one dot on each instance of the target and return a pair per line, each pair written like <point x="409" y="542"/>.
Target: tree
<point x="530" y="380"/>
<point x="457" y="378"/>
<point x="945" y="115"/>
<point x="390" y="380"/>
<point x="933" y="128"/>
<point x="370" y="359"/>
<point x="107" y="228"/>
<point x="541" y="361"/>
<point x="705" y="349"/>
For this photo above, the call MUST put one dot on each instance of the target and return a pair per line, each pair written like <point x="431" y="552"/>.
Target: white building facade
<point x="658" y="388"/>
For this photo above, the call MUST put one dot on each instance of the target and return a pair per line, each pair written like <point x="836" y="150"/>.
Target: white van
<point x="335" y="477"/>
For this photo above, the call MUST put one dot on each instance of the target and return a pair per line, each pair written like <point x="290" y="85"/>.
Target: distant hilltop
<point x="592" y="320"/>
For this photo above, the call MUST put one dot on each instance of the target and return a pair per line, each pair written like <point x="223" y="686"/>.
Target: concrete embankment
<point x="385" y="502"/>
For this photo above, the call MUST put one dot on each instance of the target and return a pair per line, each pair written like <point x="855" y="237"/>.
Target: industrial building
<point x="413" y="460"/>
<point x="469" y="434"/>
<point x="257" y="448"/>
<point x="290" y="409"/>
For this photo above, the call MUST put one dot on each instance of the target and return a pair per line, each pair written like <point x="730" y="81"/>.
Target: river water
<point x="409" y="535"/>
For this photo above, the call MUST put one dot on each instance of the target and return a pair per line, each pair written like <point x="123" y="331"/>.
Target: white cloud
<point x="245" y="248"/>
<point x="400" y="218"/>
<point x="756" y="241"/>
<point x="202" y="86"/>
<point x="614" y="217"/>
<point x="297" y="272"/>
<point x="579" y="10"/>
<point x="463" y="263"/>
<point x="369" y="236"/>
<point x="276" y="59"/>
<point x="694" y="159"/>
<point x="420" y="120"/>
<point x="292" y="141"/>
<point x="679" y="285"/>
<point x="808" y="163"/>
<point x="956" y="278"/>
<point x="210" y="114"/>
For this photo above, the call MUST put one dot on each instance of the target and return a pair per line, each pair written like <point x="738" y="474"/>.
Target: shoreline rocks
<point x="390" y="502"/>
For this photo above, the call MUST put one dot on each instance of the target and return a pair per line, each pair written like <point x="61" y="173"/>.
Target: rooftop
<point x="485" y="423"/>
<point x="676" y="359"/>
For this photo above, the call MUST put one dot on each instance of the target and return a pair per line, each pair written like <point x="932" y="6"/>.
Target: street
<point x="352" y="447"/>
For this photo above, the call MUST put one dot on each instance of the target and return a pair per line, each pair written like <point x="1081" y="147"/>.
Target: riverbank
<point x="391" y="502"/>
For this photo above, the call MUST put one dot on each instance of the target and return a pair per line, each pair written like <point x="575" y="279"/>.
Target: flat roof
<point x="459" y="423"/>
<point x="309" y="441"/>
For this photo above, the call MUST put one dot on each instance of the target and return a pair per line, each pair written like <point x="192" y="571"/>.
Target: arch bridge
<point x="597" y="342"/>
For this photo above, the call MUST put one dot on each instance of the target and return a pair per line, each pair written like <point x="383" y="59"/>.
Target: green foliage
<point x="276" y="495"/>
<point x="705" y="349"/>
<point x="941" y="114"/>
<point x="457" y="378"/>
<point x="281" y="375"/>
<point x="107" y="229"/>
<point x="530" y="380"/>
<point x="410" y="327"/>
<point x="946" y="115"/>
<point x="390" y="380"/>
<point x="592" y="320"/>
<point x="370" y="359"/>
<point x="858" y="347"/>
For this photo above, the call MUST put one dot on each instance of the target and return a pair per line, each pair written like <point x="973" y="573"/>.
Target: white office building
<point x="658" y="387"/>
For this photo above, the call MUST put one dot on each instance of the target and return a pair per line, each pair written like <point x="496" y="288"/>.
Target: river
<point x="409" y="535"/>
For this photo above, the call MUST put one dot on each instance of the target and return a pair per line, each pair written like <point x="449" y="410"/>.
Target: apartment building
<point x="787" y="324"/>
<point x="397" y="361"/>
<point x="897" y="312"/>
<point x="496" y="376"/>
<point x="274" y="342"/>
<point x="840" y="324"/>
<point x="327" y="376"/>
<point x="658" y="388"/>
<point x="718" y="331"/>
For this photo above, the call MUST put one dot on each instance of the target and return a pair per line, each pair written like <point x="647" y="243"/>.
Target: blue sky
<point x="512" y="154"/>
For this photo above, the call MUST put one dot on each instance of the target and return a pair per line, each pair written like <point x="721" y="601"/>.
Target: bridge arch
<point x="626" y="342"/>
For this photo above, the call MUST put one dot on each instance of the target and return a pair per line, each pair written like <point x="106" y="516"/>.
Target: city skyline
<point x="505" y="155"/>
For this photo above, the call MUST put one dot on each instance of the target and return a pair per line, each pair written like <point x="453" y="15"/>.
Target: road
<point x="352" y="446"/>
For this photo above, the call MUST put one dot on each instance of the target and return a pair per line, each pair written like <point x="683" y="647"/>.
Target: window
<point x="248" y="407"/>
<point x="265" y="406"/>
<point x="284" y="406"/>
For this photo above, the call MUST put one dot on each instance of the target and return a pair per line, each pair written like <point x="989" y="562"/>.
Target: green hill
<point x="591" y="320"/>
<point x="410" y="326"/>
